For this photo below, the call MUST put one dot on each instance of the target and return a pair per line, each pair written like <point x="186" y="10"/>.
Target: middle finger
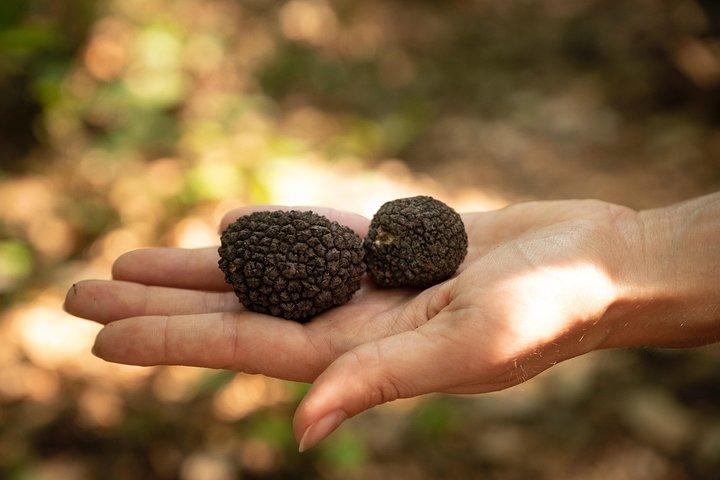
<point x="105" y="301"/>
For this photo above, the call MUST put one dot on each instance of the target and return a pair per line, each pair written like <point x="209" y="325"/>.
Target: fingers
<point x="172" y="267"/>
<point x="355" y="221"/>
<point x="198" y="269"/>
<point x="106" y="301"/>
<point x="245" y="341"/>
<point x="400" y="366"/>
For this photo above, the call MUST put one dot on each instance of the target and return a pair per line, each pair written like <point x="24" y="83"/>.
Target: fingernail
<point x="321" y="429"/>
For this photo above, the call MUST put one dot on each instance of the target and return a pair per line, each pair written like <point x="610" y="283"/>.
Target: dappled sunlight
<point x="194" y="233"/>
<point x="258" y="456"/>
<point x="52" y="339"/>
<point x="25" y="199"/>
<point x="101" y="407"/>
<point x="107" y="53"/>
<point x="140" y="123"/>
<point x="299" y="181"/>
<point x="57" y="342"/>
<point x="201" y="465"/>
<point x="246" y="394"/>
<point x="28" y="382"/>
<point x="116" y="242"/>
<point x="542" y="321"/>
<point x="310" y="21"/>
<point x="30" y="208"/>
<point x="699" y="61"/>
<point x="176" y="384"/>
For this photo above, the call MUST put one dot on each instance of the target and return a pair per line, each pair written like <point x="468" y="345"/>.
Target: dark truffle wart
<point x="291" y="264"/>
<point x="414" y="242"/>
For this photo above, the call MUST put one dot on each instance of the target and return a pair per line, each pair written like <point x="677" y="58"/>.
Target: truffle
<point x="414" y="242"/>
<point x="291" y="264"/>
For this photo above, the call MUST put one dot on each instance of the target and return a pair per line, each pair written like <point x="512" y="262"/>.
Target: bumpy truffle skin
<point x="291" y="264"/>
<point x="414" y="242"/>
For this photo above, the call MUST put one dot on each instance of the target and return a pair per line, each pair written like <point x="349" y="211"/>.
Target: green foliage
<point x="213" y="380"/>
<point x="274" y="428"/>
<point x="35" y="33"/>
<point x="436" y="417"/>
<point x="345" y="453"/>
<point x="16" y="264"/>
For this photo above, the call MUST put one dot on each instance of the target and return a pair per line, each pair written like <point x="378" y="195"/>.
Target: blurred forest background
<point x="129" y="123"/>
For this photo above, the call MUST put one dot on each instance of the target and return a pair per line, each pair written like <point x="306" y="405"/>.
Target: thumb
<point x="401" y="366"/>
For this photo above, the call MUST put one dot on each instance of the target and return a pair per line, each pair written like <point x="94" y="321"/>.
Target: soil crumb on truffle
<point x="414" y="242"/>
<point x="291" y="264"/>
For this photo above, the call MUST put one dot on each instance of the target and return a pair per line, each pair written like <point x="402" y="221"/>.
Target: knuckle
<point x="381" y="385"/>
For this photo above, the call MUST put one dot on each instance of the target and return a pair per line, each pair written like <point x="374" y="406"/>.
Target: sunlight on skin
<point x="568" y="282"/>
<point x="542" y="283"/>
<point x="502" y="276"/>
<point x="501" y="329"/>
<point x="545" y="321"/>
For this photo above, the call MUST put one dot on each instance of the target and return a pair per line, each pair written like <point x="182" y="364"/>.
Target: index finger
<point x="358" y="223"/>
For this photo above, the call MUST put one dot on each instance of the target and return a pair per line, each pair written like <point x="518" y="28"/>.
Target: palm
<point x="171" y="306"/>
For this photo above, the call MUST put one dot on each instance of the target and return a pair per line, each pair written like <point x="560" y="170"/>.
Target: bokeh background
<point x="130" y="123"/>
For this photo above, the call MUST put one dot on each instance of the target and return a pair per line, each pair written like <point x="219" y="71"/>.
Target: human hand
<point x="535" y="289"/>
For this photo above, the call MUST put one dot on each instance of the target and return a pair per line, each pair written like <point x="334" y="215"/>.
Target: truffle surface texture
<point x="291" y="264"/>
<point x="414" y="242"/>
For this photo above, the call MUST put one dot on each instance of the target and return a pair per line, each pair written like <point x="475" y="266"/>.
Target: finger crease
<point x="166" y="334"/>
<point x="230" y="323"/>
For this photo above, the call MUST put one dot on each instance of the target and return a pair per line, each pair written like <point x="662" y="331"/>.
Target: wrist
<point x="669" y="288"/>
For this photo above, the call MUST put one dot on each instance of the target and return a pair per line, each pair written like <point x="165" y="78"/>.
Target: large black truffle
<point x="414" y="242"/>
<point x="291" y="264"/>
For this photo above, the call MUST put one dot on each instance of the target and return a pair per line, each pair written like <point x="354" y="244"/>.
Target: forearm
<point x="670" y="293"/>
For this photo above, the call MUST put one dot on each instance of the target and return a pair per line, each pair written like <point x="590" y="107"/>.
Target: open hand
<point x="533" y="291"/>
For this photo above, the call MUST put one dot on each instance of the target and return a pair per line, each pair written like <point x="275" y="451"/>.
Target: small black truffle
<point x="291" y="264"/>
<point x="414" y="242"/>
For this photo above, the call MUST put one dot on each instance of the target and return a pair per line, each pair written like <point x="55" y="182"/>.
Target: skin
<point x="543" y="282"/>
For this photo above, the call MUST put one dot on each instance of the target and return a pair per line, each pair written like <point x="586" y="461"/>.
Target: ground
<point x="140" y="123"/>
